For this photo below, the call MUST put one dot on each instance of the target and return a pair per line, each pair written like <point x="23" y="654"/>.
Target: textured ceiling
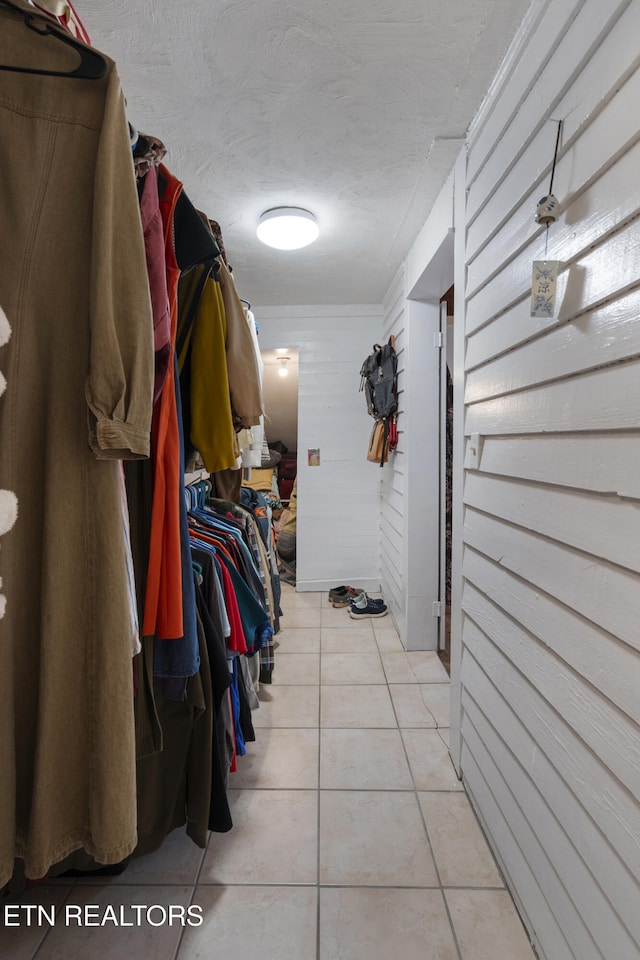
<point x="354" y="110"/>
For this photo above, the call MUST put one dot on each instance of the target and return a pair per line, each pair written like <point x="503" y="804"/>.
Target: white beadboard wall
<point x="393" y="506"/>
<point x="339" y="501"/>
<point x="550" y="648"/>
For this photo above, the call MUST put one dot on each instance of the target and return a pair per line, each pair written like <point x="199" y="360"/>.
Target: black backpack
<point x="379" y="380"/>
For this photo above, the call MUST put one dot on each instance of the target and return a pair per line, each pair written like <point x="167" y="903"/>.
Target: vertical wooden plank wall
<point x="392" y="479"/>
<point x="550" y="672"/>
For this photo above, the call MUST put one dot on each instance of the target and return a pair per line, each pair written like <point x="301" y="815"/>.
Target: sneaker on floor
<point x="364" y="597"/>
<point x="340" y="596"/>
<point x="365" y="608"/>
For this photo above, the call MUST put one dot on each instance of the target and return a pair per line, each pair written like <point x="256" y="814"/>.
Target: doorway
<point x="280" y="384"/>
<point x="280" y="394"/>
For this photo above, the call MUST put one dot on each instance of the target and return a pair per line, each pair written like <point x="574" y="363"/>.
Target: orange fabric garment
<point x="163" y="598"/>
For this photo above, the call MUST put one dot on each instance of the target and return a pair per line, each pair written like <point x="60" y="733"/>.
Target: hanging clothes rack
<point x="92" y="65"/>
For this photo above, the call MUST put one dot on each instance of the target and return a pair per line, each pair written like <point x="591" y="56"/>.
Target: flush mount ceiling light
<point x="287" y="228"/>
<point x="283" y="371"/>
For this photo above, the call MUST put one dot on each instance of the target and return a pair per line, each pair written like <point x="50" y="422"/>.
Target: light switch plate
<point x="475" y="450"/>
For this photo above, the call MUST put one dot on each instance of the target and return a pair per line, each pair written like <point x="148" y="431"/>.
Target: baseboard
<point x="320" y="586"/>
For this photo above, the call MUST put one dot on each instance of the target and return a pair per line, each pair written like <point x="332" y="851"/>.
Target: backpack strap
<point x="393" y="432"/>
<point x="385" y="441"/>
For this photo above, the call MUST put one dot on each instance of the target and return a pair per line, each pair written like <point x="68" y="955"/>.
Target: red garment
<point x="236" y="640"/>
<point x="163" y="599"/>
<point x="154" y="246"/>
<point x="68" y="19"/>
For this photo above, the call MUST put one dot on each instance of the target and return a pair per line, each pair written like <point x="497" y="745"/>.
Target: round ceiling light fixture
<point x="287" y="228"/>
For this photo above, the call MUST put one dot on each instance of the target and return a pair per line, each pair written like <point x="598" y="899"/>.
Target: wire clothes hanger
<point x="92" y="65"/>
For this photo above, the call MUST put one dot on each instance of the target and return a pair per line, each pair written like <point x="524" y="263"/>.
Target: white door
<point x="442" y="456"/>
<point x="422" y="475"/>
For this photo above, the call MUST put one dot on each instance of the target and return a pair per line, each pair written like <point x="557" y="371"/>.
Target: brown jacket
<point x="79" y="368"/>
<point x="242" y="366"/>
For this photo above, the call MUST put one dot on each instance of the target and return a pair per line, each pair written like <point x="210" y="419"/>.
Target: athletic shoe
<point x="366" y="608"/>
<point x="364" y="597"/>
<point x="340" y="596"/>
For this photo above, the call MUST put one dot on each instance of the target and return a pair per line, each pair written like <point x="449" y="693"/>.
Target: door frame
<point x="442" y="451"/>
<point x="425" y="349"/>
<point x="436" y="261"/>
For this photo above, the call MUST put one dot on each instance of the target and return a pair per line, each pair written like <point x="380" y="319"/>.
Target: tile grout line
<point x="345" y="789"/>
<point x="424" y="823"/>
<point x="194" y="891"/>
<point x="318" y="918"/>
<point x="318" y="885"/>
<point x="318" y="875"/>
<point x="196" y="884"/>
<point x="339" y="886"/>
<point x="47" y="932"/>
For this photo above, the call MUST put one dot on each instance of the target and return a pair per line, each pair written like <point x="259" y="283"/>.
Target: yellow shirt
<point x="212" y="432"/>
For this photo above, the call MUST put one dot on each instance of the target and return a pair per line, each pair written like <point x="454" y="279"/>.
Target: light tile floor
<point x="352" y="840"/>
